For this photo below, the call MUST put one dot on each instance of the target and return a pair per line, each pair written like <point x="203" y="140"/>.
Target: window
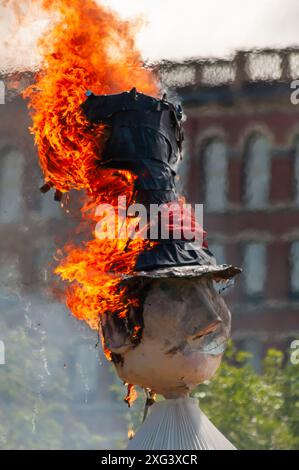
<point x="215" y="170"/>
<point x="255" y="266"/>
<point x="2" y="92"/>
<point x="255" y="348"/>
<point x="218" y="252"/>
<point x="12" y="164"/>
<point x="294" y="264"/>
<point x="257" y="172"/>
<point x="296" y="172"/>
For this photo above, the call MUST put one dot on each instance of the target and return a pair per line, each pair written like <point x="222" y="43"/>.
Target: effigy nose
<point x="209" y="328"/>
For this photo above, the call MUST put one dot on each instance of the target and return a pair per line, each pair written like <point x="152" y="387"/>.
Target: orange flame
<point x="131" y="395"/>
<point x="87" y="47"/>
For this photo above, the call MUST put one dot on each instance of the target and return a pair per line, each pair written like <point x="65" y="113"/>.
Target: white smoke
<point x="172" y="31"/>
<point x="22" y="22"/>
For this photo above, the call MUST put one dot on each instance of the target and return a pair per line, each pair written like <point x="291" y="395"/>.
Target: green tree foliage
<point x="254" y="411"/>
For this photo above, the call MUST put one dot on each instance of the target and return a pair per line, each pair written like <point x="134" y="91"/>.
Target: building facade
<point x="242" y="162"/>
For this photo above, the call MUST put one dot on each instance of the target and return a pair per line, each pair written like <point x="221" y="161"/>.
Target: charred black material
<point x="120" y="330"/>
<point x="46" y="187"/>
<point x="145" y="136"/>
<point x="58" y="195"/>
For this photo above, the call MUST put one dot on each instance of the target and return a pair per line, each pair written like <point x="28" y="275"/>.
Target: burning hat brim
<point x="216" y="272"/>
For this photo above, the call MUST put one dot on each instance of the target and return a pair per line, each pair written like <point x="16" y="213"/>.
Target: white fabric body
<point x="178" y="424"/>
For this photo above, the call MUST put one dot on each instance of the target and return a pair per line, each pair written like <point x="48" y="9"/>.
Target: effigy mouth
<point x="216" y="346"/>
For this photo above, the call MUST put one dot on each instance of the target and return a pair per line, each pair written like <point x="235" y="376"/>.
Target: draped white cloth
<point x="178" y="424"/>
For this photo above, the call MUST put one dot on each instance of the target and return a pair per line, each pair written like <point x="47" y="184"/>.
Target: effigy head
<point x="174" y="340"/>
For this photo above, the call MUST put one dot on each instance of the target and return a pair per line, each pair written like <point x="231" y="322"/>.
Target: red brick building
<point x="242" y="163"/>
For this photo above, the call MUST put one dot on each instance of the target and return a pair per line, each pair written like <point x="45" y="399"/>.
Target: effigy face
<point x="186" y="324"/>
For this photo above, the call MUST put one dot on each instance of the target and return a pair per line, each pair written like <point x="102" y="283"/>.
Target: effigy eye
<point x="224" y="286"/>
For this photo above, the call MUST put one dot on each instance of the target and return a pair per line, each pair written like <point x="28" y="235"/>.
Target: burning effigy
<point x="152" y="298"/>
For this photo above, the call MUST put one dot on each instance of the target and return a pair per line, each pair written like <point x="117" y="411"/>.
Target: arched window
<point x="218" y="251"/>
<point x="255" y="347"/>
<point x="296" y="171"/>
<point x="255" y="268"/>
<point x="12" y="165"/>
<point x="2" y="92"/>
<point x="215" y="171"/>
<point x="294" y="265"/>
<point x="257" y="172"/>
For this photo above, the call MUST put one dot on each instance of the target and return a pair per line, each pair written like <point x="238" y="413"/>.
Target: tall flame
<point x="88" y="47"/>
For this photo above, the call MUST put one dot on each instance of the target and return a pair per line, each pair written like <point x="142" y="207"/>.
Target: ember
<point x="86" y="48"/>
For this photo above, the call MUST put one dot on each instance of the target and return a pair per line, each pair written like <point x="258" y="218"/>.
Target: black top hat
<point x="145" y="137"/>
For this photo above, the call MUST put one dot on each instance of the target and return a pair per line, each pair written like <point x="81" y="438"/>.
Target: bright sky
<point x="175" y="29"/>
<point x="184" y="28"/>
